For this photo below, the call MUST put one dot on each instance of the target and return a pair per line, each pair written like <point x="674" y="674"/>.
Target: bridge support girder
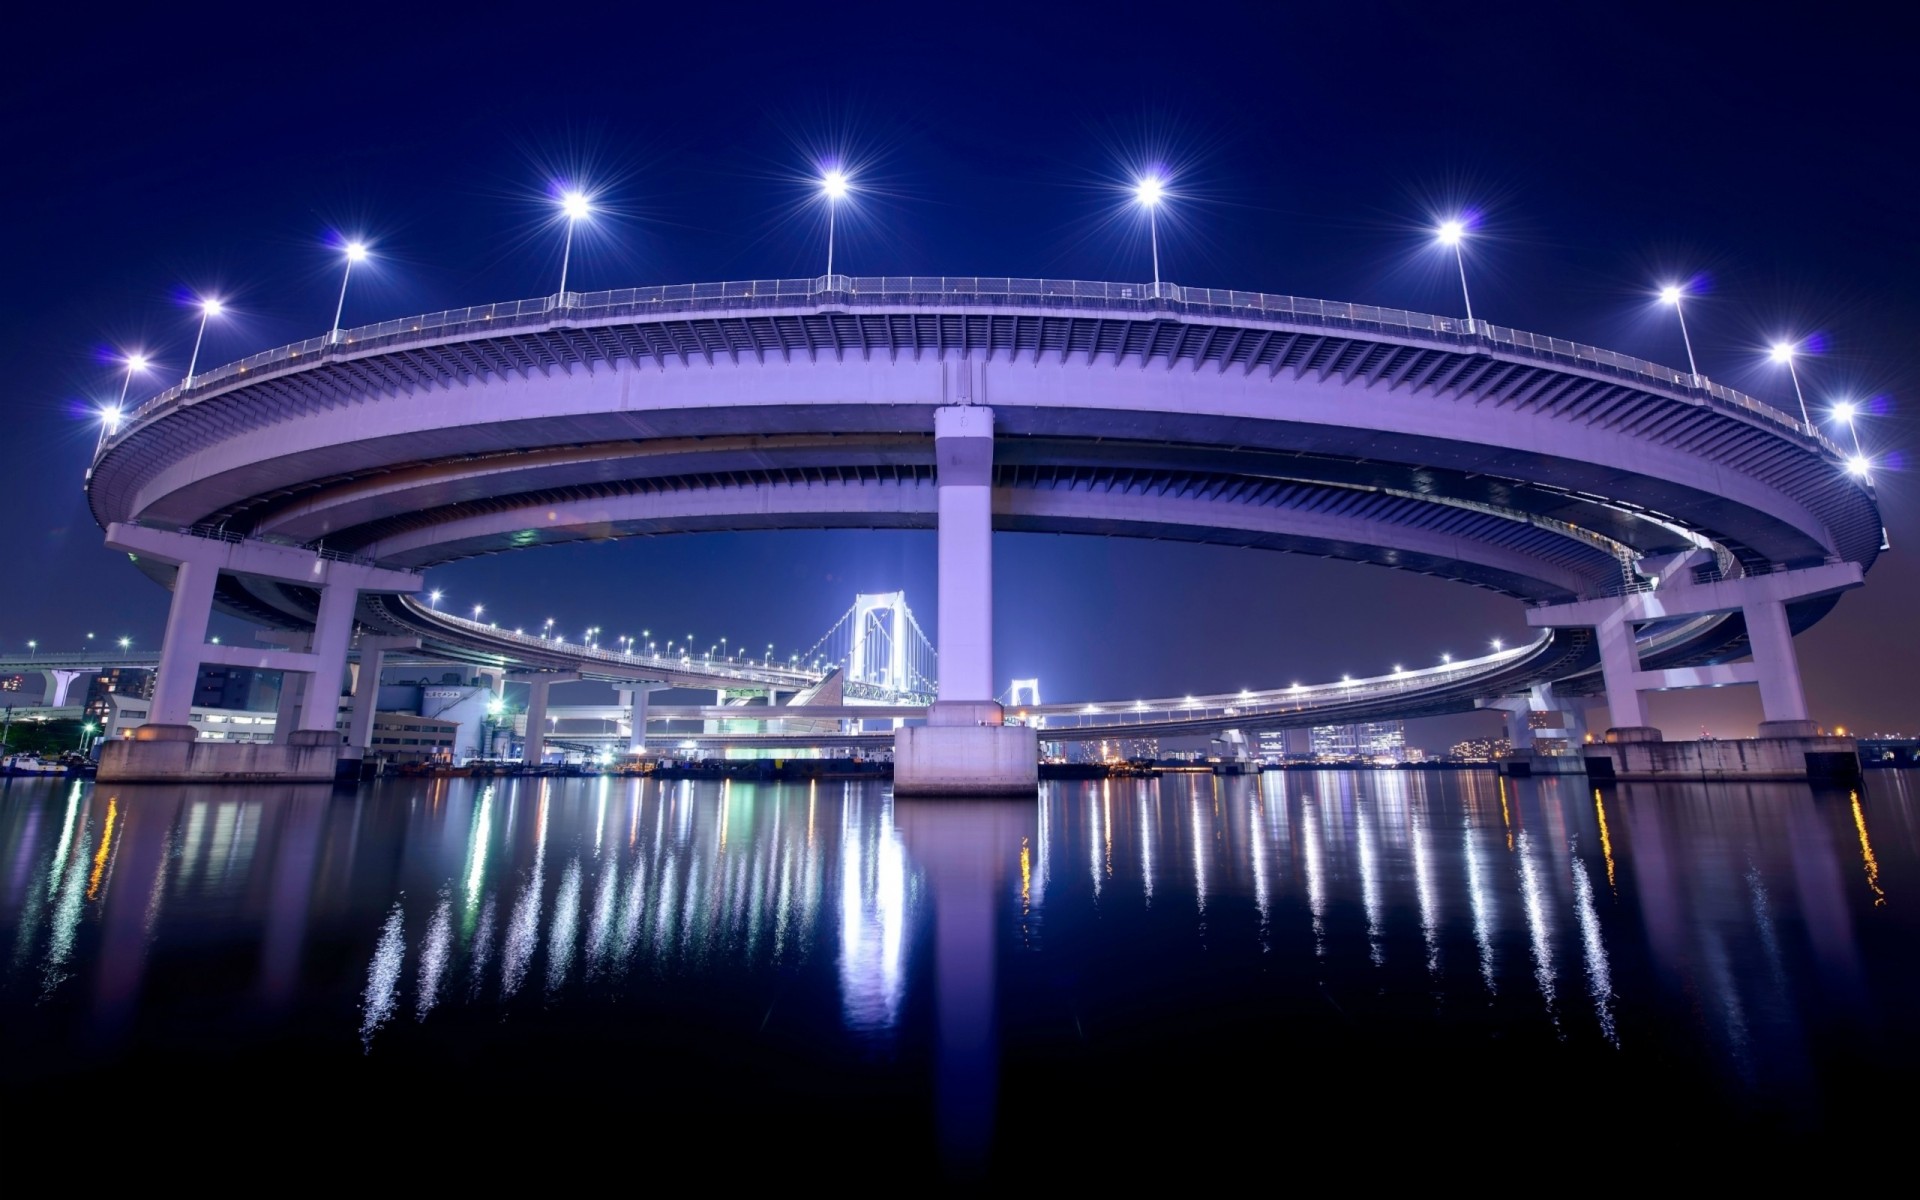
<point x="1761" y="599"/>
<point x="308" y="746"/>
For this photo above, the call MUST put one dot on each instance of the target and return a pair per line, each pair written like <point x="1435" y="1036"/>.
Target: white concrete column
<point x="635" y="701"/>
<point x="1781" y="696"/>
<point x="366" y="697"/>
<point x="332" y="634"/>
<point x="60" y="684"/>
<point x="187" y="617"/>
<point x="536" y="740"/>
<point x="1619" y="663"/>
<point x="963" y="456"/>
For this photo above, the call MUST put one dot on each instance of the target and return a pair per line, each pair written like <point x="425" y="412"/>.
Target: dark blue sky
<point x="1767" y="150"/>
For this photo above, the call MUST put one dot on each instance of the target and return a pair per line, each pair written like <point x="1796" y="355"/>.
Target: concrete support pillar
<point x="366" y="685"/>
<point x="965" y="748"/>
<point x="1619" y="664"/>
<point x="536" y="741"/>
<point x="59" y="686"/>
<point x="963" y="453"/>
<point x="634" y="700"/>
<point x="332" y="634"/>
<point x="1783" y="703"/>
<point x="187" y="617"/>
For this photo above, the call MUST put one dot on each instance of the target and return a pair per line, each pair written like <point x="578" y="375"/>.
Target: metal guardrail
<point x="215" y="533"/>
<point x="843" y="291"/>
<point x="705" y="668"/>
<point x="1290" y="702"/>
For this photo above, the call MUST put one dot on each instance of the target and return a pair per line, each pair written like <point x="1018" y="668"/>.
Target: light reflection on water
<point x="1621" y="921"/>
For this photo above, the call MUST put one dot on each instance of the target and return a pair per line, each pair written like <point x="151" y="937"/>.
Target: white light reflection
<point x="1599" y="971"/>
<point x="1201" y="846"/>
<point x="1146" y="847"/>
<point x="383" y="978"/>
<point x="600" y="925"/>
<point x="1482" y="904"/>
<point x="434" y="953"/>
<point x="1534" y="895"/>
<point x="566" y="928"/>
<point x="523" y="927"/>
<point x="1262" y="899"/>
<point x="66" y="914"/>
<point x="482" y="950"/>
<point x="1369" y="880"/>
<point x="1093" y="848"/>
<point x="873" y="895"/>
<point x="1316" y="877"/>
<point x="1423" y="887"/>
<point x="477" y="848"/>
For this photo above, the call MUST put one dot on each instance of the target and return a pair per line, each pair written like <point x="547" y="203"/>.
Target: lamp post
<point x="433" y="598"/>
<point x="110" y="417"/>
<point x="576" y="207"/>
<point x="355" y="252"/>
<point x="208" y="308"/>
<point x="1452" y="233"/>
<point x="1673" y="294"/>
<point x="1784" y="352"/>
<point x="33" y="649"/>
<point x="1149" y="191"/>
<point x="834" y="186"/>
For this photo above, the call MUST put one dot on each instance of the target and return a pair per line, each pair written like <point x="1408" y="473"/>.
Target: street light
<point x="33" y="648"/>
<point x="208" y="308"/>
<point x="834" y="186"/>
<point x="126" y="643"/>
<point x="576" y="207"/>
<point x="1784" y="352"/>
<point x="433" y="598"/>
<point x="477" y="610"/>
<point x="355" y="252"/>
<point x="110" y="417"/>
<point x="1846" y="410"/>
<point x="1452" y="233"/>
<point x="1149" y="191"/>
<point x="1496" y="643"/>
<point x="1673" y="294"/>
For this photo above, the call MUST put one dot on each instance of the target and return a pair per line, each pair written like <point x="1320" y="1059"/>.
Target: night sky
<point x="1765" y="152"/>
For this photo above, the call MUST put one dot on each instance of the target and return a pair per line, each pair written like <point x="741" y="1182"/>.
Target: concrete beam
<point x="1678" y="599"/>
<point x="290" y="564"/>
<point x="1678" y="678"/>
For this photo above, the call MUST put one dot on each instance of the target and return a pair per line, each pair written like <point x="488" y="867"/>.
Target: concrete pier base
<point x="976" y="759"/>
<point x="1633" y="733"/>
<point x="1522" y="766"/>
<point x="159" y="754"/>
<point x="1814" y="759"/>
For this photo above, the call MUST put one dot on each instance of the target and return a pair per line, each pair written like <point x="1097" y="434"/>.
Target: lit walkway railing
<point x="941" y="291"/>
<point x="477" y="633"/>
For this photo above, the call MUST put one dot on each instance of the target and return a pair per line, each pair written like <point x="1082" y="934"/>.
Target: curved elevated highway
<point x="1532" y="466"/>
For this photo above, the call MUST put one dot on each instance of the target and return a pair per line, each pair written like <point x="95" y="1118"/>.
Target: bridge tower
<point x="880" y="624"/>
<point x="965" y="748"/>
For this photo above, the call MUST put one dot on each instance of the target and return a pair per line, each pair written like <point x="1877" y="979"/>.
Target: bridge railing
<point x="682" y="665"/>
<point x="844" y="291"/>
<point x="1294" y="701"/>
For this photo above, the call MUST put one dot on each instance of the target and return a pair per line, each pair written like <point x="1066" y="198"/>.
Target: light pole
<point x="126" y="643"/>
<point x="433" y="598"/>
<point x="208" y="308"/>
<point x="33" y="649"/>
<point x="355" y="252"/>
<point x="1149" y="191"/>
<point x="834" y="186"/>
<point x="1784" y="352"/>
<point x="110" y="417"/>
<point x="86" y="731"/>
<point x="576" y="207"/>
<point x="1673" y="294"/>
<point x="477" y="610"/>
<point x="1452" y="233"/>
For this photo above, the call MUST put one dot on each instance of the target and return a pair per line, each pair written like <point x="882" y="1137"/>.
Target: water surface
<point x="1124" y="979"/>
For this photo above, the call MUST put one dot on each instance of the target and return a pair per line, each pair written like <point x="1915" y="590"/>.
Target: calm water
<point x="1123" y="979"/>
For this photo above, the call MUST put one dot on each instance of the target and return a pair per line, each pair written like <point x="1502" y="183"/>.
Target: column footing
<point x="966" y="760"/>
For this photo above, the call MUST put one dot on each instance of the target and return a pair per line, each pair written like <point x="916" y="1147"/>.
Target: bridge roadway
<point x="1532" y="466"/>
